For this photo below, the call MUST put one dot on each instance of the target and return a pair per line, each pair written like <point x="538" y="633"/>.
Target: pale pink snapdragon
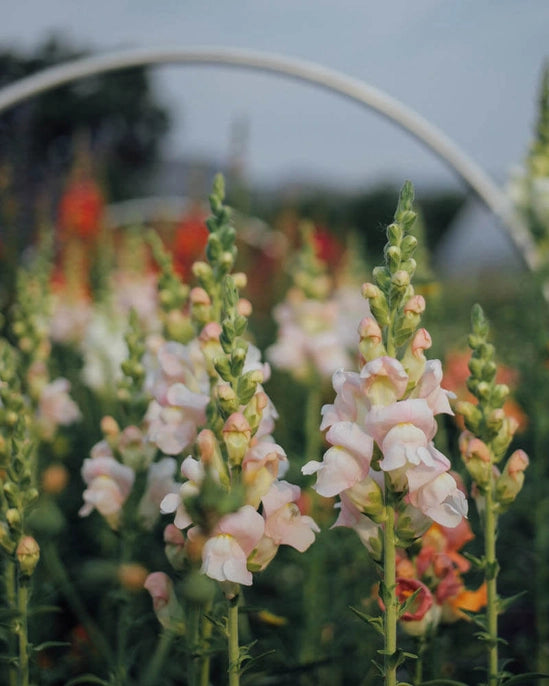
<point x="372" y="408"/>
<point x="173" y="502"/>
<point x="160" y="482"/>
<point x="225" y="553"/>
<point x="56" y="407"/>
<point x="284" y="523"/>
<point x="166" y="606"/>
<point x="108" y="482"/>
<point x="308" y="336"/>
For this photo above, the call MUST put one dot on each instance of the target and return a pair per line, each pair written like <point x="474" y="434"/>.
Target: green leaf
<point x="442" y="682"/>
<point x="477" y="562"/>
<point x="375" y="622"/>
<point x="42" y="609"/>
<point x="524" y="678"/>
<point x="407" y="604"/>
<point x="87" y="679"/>
<point x="505" y="603"/>
<point x="50" y="644"/>
<point x="478" y="618"/>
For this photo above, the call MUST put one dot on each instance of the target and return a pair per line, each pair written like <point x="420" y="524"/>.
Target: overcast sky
<point x="472" y="67"/>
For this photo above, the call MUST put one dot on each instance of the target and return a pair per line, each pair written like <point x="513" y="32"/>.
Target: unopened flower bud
<point x="393" y="257"/>
<point x="132" y="576"/>
<point x="370" y="345"/>
<point x="378" y="303"/>
<point x="254" y="409"/>
<point x="13" y="518"/>
<point x="174" y="546"/>
<point x="198" y="296"/>
<point x="394" y="233"/>
<point x="226" y="398"/>
<point x="236" y="435"/>
<point x="179" y="326"/>
<point x="202" y="271"/>
<point x="411" y="524"/>
<point x="240" y="280"/>
<point x="415" y="305"/>
<point x="477" y="459"/>
<point x="226" y="261"/>
<point x="499" y="394"/>
<point x="382" y="277"/>
<point x="400" y="279"/>
<point x="470" y="413"/>
<point x="367" y="496"/>
<point x="166" y="606"/>
<point x="247" y="385"/>
<point x="244" y="307"/>
<point x="262" y="555"/>
<point x="511" y="480"/>
<point x="504" y="437"/>
<point x="54" y="479"/>
<point x="408" y="245"/>
<point x="109" y="426"/>
<point x="28" y="554"/>
<point x="6" y="540"/>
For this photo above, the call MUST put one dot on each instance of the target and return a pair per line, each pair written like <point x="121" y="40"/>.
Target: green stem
<point x="233" y="644"/>
<point x="422" y="648"/>
<point x="311" y="595"/>
<point x="162" y="649"/>
<point x="61" y="578"/>
<point x="390" y="599"/>
<point x="313" y="437"/>
<point x="206" y="630"/>
<point x="10" y="580"/>
<point x="194" y="640"/>
<point x="491" y="571"/>
<point x="22" y="631"/>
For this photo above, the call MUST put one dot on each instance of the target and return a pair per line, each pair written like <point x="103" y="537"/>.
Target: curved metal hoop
<point x="300" y="70"/>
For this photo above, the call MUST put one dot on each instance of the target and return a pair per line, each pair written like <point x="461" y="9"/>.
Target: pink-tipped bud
<point x="109" y="427"/>
<point x="369" y="328"/>
<point x="240" y="280"/>
<point x="415" y="305"/>
<point x="511" y="481"/>
<point x="174" y="546"/>
<point x="198" y="296"/>
<point x="28" y="554"/>
<point x="370" y="291"/>
<point x="210" y="332"/>
<point x="517" y="463"/>
<point x="244" y="307"/>
<point x="420" y="342"/>
<point x="237" y="434"/>
<point x="207" y="445"/>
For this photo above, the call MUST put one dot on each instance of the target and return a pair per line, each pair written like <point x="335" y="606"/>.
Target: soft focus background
<point x="99" y="160"/>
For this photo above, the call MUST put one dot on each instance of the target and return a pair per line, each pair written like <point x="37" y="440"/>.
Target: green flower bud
<point x="28" y="554"/>
<point x="393" y="257"/>
<point x="511" y="480"/>
<point x="394" y="233"/>
<point x="471" y="415"/>
<point x="408" y="246"/>
<point x="382" y="277"/>
<point x="237" y="435"/>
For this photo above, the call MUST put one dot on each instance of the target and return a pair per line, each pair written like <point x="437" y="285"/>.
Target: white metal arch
<point x="301" y="70"/>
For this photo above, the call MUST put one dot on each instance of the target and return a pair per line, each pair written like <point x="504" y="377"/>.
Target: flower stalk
<point x="484" y="444"/>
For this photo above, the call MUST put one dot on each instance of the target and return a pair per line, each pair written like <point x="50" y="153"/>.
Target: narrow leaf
<point x="87" y="679"/>
<point x="525" y="678"/>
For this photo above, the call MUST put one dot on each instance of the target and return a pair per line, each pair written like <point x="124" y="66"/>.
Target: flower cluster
<point x="313" y="339"/>
<point x="382" y="423"/>
<point x="232" y="509"/>
<point x="489" y="429"/>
